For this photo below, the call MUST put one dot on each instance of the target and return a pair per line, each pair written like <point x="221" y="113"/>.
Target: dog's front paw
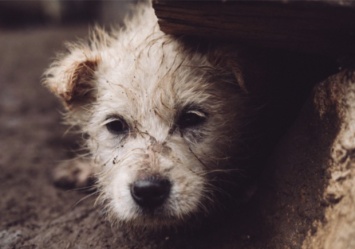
<point x="77" y="173"/>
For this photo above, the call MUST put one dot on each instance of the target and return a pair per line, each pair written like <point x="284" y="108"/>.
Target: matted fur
<point x="139" y="74"/>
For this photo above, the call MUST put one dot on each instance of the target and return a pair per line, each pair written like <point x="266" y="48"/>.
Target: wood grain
<point x="326" y="27"/>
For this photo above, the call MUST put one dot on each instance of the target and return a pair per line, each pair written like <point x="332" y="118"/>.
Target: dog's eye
<point x="191" y="118"/>
<point x="117" y="126"/>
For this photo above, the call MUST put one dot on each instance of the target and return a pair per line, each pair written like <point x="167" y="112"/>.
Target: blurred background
<point x="29" y="13"/>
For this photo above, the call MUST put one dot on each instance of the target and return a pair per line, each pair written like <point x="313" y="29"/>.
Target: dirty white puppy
<point x="163" y="123"/>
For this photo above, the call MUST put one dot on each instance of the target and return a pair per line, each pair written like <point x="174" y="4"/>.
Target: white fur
<point x="147" y="78"/>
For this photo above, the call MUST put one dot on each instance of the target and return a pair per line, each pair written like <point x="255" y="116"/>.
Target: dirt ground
<point x="31" y="141"/>
<point x="35" y="214"/>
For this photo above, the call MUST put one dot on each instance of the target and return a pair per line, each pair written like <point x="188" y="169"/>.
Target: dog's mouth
<point x="155" y="203"/>
<point x="160" y="215"/>
<point x="154" y="199"/>
<point x="156" y="217"/>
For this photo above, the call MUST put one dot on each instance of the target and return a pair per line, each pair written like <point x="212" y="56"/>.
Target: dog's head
<point x="162" y="122"/>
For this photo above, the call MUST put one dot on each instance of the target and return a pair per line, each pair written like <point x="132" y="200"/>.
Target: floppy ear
<point x="223" y="60"/>
<point x="71" y="78"/>
<point x="244" y="65"/>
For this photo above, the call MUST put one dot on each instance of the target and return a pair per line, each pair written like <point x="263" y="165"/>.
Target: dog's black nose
<point x="150" y="192"/>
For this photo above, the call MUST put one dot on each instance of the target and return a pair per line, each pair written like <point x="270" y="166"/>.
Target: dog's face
<point x="162" y="122"/>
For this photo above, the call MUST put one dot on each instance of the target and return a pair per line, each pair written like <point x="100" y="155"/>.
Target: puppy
<point x="163" y="122"/>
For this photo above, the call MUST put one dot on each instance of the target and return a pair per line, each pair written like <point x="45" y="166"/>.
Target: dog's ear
<point x="244" y="65"/>
<point x="72" y="78"/>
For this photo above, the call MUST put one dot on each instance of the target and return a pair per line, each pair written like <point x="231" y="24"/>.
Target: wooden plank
<point x="326" y="27"/>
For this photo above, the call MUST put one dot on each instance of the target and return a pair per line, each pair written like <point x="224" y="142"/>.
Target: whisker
<point x="219" y="171"/>
<point x="84" y="198"/>
<point x="86" y="188"/>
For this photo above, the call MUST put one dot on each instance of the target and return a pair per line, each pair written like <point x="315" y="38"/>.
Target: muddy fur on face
<point x="163" y="123"/>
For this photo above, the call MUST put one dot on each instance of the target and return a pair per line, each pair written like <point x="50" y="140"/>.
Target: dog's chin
<point x="159" y="219"/>
<point x="153" y="221"/>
